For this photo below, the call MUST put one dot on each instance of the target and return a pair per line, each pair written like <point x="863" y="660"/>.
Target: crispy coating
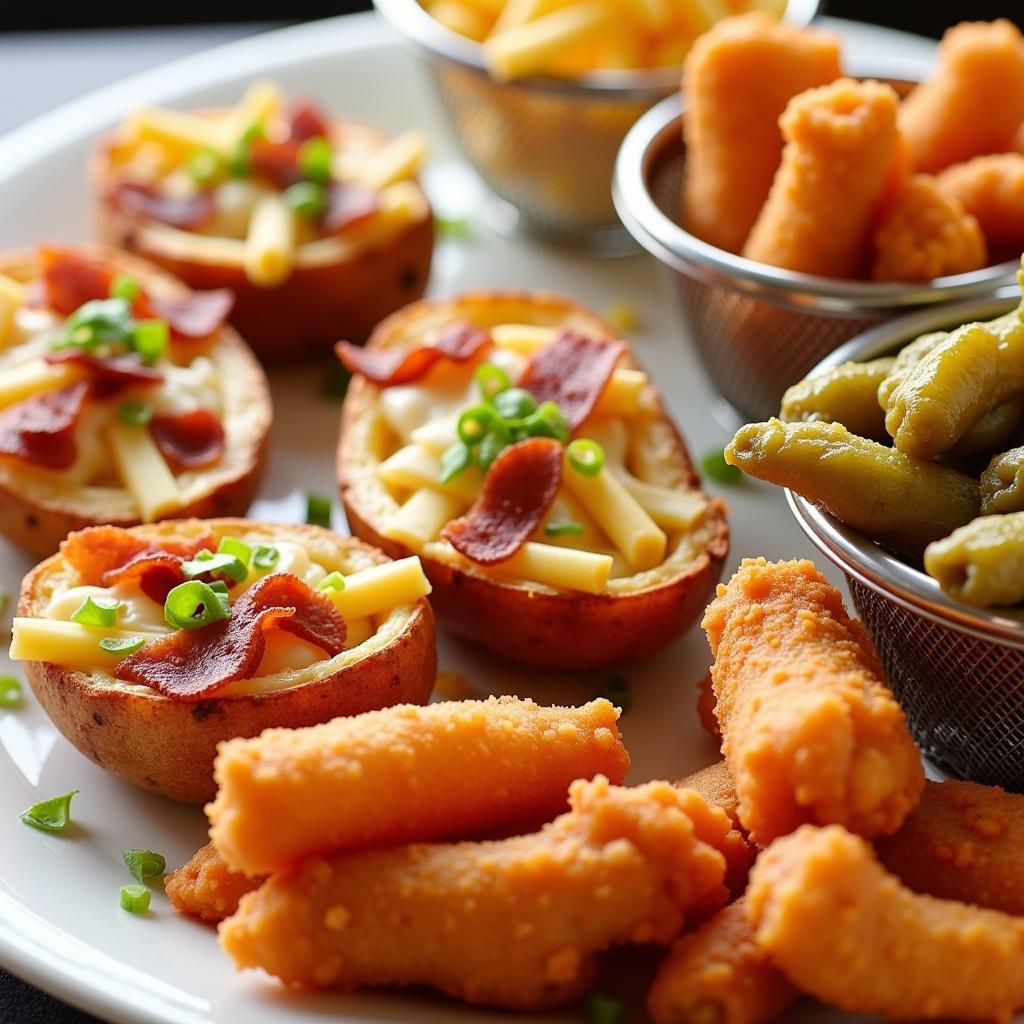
<point x="841" y="144"/>
<point x="926" y="233"/>
<point x="811" y="731"/>
<point x="991" y="188"/>
<point x="982" y="563"/>
<point x="512" y="923"/>
<point x="962" y="842"/>
<point x="706" y="708"/>
<point x="847" y="932"/>
<point x="974" y="102"/>
<point x="738" y="78"/>
<point x="403" y="775"/>
<point x="206" y="887"/>
<point x="719" y="975"/>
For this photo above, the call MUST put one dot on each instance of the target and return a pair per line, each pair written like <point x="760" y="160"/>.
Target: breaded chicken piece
<point x="991" y="188"/>
<point x="841" y="146"/>
<point x="405" y="774"/>
<point x="974" y="101"/>
<point x="926" y="233"/>
<point x="206" y="887"/>
<point x="706" y="708"/>
<point x="718" y="974"/>
<point x="962" y="842"/>
<point x="513" y="923"/>
<point x="811" y="731"/>
<point x="737" y="79"/>
<point x="844" y="930"/>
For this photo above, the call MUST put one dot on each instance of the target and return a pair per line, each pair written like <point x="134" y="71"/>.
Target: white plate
<point x="60" y="924"/>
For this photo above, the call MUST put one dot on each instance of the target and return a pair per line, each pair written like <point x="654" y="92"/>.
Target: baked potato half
<point x="617" y="566"/>
<point x="162" y="734"/>
<point x="317" y="225"/>
<point x="97" y="426"/>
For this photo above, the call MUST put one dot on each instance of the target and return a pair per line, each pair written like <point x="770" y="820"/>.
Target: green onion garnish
<point x="602" y="1009"/>
<point x="96" y="323"/>
<point x="585" y="456"/>
<point x="144" y="864"/>
<point x="124" y="287"/>
<point x="491" y="380"/>
<point x="220" y="564"/>
<point x="205" y="165"/>
<point x="307" y="199"/>
<point x="122" y="644"/>
<point x="236" y="547"/>
<point x="332" y="581"/>
<point x="51" y="815"/>
<point x="134" y="413"/>
<point x="714" y="466"/>
<point x="453" y="227"/>
<point x="566" y="529"/>
<point x="97" y="611"/>
<point x="490" y="448"/>
<point x="134" y="899"/>
<point x="619" y="691"/>
<point x="514" y="404"/>
<point x="314" y="159"/>
<point x="240" y="161"/>
<point x="318" y="510"/>
<point x="336" y="382"/>
<point x="265" y="557"/>
<point x="220" y="588"/>
<point x="454" y="460"/>
<point x="474" y="424"/>
<point x="193" y="605"/>
<point x="548" y="421"/>
<point x="150" y="339"/>
<point x="10" y="692"/>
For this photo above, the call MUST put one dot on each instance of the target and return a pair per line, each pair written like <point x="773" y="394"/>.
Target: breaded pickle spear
<point x="893" y="498"/>
<point x="846" y="394"/>
<point x="982" y="563"/>
<point x="1002" y="484"/>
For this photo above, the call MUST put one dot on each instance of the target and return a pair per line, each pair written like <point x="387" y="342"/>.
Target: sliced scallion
<point x="134" y="413"/>
<point x="585" y="456"/>
<point x="570" y="528"/>
<point x="150" y="339"/>
<point x="144" y="864"/>
<point x="220" y="564"/>
<point x="474" y="424"/>
<point x="318" y="510"/>
<point x="265" y="557"/>
<point x="514" y="404"/>
<point x="307" y="199"/>
<point x="124" y="286"/>
<point x="51" y="815"/>
<point x="236" y="547"/>
<point x="491" y="380"/>
<point x="97" y="611"/>
<point x="454" y="460"/>
<point x="314" y="159"/>
<point x="124" y="645"/>
<point x="135" y="899"/>
<point x="193" y="605"/>
<point x="333" y="581"/>
<point x="10" y="692"/>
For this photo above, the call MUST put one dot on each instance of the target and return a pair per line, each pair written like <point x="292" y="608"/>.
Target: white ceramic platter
<point x="60" y="924"/>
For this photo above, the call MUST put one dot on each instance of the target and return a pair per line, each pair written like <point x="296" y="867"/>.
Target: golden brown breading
<point x="206" y="887"/>
<point x="706" y="708"/>
<point x="512" y="923"/>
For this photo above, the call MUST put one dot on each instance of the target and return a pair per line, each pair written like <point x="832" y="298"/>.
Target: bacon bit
<point x="388" y="367"/>
<point x="190" y="664"/>
<point x="98" y="550"/>
<point x="572" y="371"/>
<point x="276" y="162"/>
<point x="41" y="429"/>
<point x="348" y="204"/>
<point x="196" y="315"/>
<point x="307" y="121"/>
<point x="139" y="200"/>
<point x="69" y="280"/>
<point x="518" y="490"/>
<point x="189" y="440"/>
<point x="157" y="573"/>
<point x="108" y="376"/>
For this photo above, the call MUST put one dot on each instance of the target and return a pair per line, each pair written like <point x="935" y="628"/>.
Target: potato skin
<point x="168" y="746"/>
<point x="567" y="631"/>
<point x="38" y="527"/>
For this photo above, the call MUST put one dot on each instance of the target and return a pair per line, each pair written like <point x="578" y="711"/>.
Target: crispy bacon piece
<point x="191" y="664"/>
<point x="306" y="121"/>
<point x="388" y="367"/>
<point x="157" y="573"/>
<point x="188" y="212"/>
<point x="196" y="315"/>
<point x="98" y="550"/>
<point x="518" y="490"/>
<point x="41" y="429"/>
<point x="108" y="376"/>
<point x="348" y="204"/>
<point x="572" y="371"/>
<point x="276" y="162"/>
<point x="189" y="440"/>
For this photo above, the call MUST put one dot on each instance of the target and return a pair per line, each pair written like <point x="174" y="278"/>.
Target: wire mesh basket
<point x="957" y="671"/>
<point x="758" y="329"/>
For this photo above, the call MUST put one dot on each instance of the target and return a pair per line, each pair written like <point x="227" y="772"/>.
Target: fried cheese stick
<point x="205" y="887"/>
<point x="991" y="188"/>
<point x="810" y="731"/>
<point x="405" y="774"/>
<point x="513" y="923"/>
<point x="849" y="933"/>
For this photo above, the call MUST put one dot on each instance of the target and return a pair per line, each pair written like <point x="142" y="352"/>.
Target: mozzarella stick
<point x="404" y="774"/>
<point x="845" y="931"/>
<point x="810" y="731"/>
<point x="205" y="887"/>
<point x="719" y="975"/>
<point x="991" y="189"/>
<point x="974" y="101"/>
<point x="841" y="144"/>
<point x="738" y="78"/>
<point x="512" y="923"/>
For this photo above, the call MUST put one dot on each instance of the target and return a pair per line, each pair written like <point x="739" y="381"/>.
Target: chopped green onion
<point x="491" y="380"/>
<point x="144" y="864"/>
<point x="10" y="692"/>
<point x="122" y="644"/>
<point x="475" y="423"/>
<point x="567" y="529"/>
<point x="602" y="1009"/>
<point x="150" y="339"/>
<point x="453" y="227"/>
<point x="714" y="466"/>
<point x="585" y="456"/>
<point x="193" y="605"/>
<point x="307" y="199"/>
<point x="51" y="815"/>
<point x="220" y="588"/>
<point x="236" y="547"/>
<point x="265" y="557"/>
<point x="240" y="161"/>
<point x="253" y="132"/>
<point x="205" y="165"/>
<point x="619" y="691"/>
<point x="125" y="287"/>
<point x="548" y="421"/>
<point x="314" y="159"/>
<point x="134" y="413"/>
<point x="337" y="381"/>
<point x="332" y="581"/>
<point x="134" y="899"/>
<point x="96" y="323"/>
<point x="220" y="564"/>
<point x="97" y="611"/>
<point x="514" y="404"/>
<point x="318" y="510"/>
<point x="490" y="448"/>
<point x="454" y="460"/>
